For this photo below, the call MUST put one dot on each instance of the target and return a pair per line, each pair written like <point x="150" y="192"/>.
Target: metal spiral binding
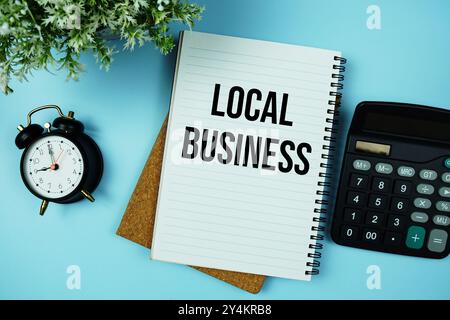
<point x="328" y="156"/>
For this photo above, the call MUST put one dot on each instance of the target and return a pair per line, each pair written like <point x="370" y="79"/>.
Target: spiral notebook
<point x="250" y="135"/>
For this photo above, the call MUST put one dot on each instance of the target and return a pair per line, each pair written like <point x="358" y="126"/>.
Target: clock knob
<point x="27" y="135"/>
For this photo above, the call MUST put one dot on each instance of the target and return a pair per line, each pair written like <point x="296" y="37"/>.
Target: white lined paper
<point x="233" y="217"/>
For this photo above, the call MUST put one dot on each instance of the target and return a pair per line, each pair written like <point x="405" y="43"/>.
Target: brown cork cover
<point x="139" y="218"/>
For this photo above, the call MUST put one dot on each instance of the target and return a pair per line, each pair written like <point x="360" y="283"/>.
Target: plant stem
<point x="34" y="20"/>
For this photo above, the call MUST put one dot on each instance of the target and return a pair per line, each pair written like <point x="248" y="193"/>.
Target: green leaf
<point x="37" y="34"/>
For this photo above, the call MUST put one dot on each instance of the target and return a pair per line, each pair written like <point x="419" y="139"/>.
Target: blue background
<point x="408" y="60"/>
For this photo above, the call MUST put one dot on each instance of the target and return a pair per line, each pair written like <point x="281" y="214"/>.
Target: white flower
<point x="162" y="3"/>
<point x="4" y="29"/>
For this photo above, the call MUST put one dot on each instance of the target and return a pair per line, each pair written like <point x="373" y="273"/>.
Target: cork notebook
<point x="139" y="218"/>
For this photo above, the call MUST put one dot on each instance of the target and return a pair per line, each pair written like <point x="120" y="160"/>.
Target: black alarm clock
<point x="60" y="163"/>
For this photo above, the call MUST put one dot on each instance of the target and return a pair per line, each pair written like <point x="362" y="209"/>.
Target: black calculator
<point x="394" y="189"/>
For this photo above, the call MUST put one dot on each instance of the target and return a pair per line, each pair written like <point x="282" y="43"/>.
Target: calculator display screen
<point x="411" y="126"/>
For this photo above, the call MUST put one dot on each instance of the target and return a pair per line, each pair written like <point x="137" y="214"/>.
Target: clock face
<point x="53" y="167"/>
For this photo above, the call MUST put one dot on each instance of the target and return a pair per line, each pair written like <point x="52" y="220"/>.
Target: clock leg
<point x="87" y="195"/>
<point x="43" y="207"/>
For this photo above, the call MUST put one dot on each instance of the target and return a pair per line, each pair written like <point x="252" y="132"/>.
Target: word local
<point x="227" y="147"/>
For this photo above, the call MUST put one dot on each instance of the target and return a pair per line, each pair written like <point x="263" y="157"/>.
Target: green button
<point x="415" y="237"/>
<point x="447" y="163"/>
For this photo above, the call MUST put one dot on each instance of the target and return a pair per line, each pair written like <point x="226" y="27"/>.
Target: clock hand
<point x="43" y="169"/>
<point x="55" y="165"/>
<point x="50" y="152"/>
<point x="59" y="156"/>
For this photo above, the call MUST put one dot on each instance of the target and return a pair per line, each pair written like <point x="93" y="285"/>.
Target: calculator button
<point x="399" y="205"/>
<point x="357" y="199"/>
<point x="437" y="240"/>
<point x="423" y="188"/>
<point x="405" y="171"/>
<point x="375" y="219"/>
<point x="370" y="235"/>
<point x="396" y="222"/>
<point x="362" y="165"/>
<point x="415" y="237"/>
<point x="443" y="206"/>
<point x="447" y="163"/>
<point x="359" y="181"/>
<point x="383" y="168"/>
<point x="349" y="233"/>
<point x="377" y="201"/>
<point x="402" y="187"/>
<point x="352" y="215"/>
<point x="419" y="217"/>
<point x="444" y="192"/>
<point x="446" y="177"/>
<point x="422" y="203"/>
<point x="393" y="239"/>
<point x="441" y="220"/>
<point x="427" y="174"/>
<point x="381" y="185"/>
